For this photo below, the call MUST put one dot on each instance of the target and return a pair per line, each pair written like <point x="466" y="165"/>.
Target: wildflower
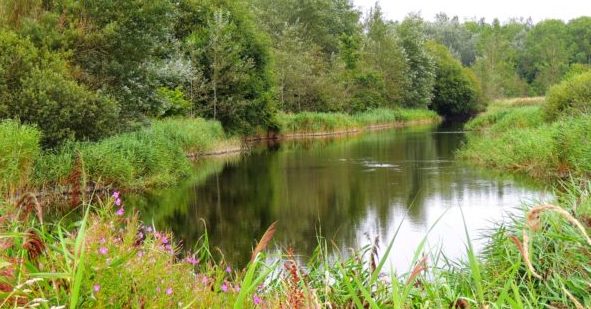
<point x="118" y="202"/>
<point x="140" y="253"/>
<point x="149" y="229"/>
<point x="256" y="300"/>
<point x="228" y="269"/>
<point x="103" y="250"/>
<point x="116" y="195"/>
<point x="205" y="280"/>
<point x="193" y="261"/>
<point x="224" y="287"/>
<point x="164" y="240"/>
<point x="96" y="288"/>
<point x="102" y="240"/>
<point x="120" y="212"/>
<point x="169" y="291"/>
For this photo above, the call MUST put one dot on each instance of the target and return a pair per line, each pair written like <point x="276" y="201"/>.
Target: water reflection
<point x="347" y="187"/>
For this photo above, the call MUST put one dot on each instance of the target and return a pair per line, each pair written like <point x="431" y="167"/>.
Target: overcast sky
<point x="489" y="9"/>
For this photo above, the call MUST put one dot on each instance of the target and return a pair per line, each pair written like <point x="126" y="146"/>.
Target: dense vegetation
<point x="87" y="70"/>
<point x="115" y="93"/>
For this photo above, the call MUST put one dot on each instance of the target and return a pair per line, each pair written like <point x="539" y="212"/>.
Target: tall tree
<point x="421" y="67"/>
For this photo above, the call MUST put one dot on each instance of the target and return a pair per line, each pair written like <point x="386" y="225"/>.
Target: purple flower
<point x="193" y="261"/>
<point x="116" y="195"/>
<point x="228" y="269"/>
<point x="102" y="240"/>
<point x="103" y="250"/>
<point x="118" y="201"/>
<point x="169" y="291"/>
<point x="164" y="240"/>
<point x="256" y="300"/>
<point x="96" y="288"/>
<point x="224" y="287"/>
<point x="120" y="211"/>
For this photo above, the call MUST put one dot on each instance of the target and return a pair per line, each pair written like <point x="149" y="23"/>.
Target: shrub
<point x="18" y="151"/>
<point x="572" y="96"/>
<point x="456" y="90"/>
<point x="36" y="88"/>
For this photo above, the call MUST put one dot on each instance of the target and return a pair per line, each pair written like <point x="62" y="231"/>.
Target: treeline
<point x="86" y="69"/>
<point x="517" y="58"/>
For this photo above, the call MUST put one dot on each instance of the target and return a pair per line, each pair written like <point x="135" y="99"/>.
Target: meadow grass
<point x="19" y="149"/>
<point x="517" y="138"/>
<point x="313" y="122"/>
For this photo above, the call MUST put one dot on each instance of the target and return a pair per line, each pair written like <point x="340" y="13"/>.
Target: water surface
<point x="349" y="190"/>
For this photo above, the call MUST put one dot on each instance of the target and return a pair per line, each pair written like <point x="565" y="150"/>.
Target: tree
<point x="455" y="92"/>
<point x="36" y="88"/>
<point x="580" y="34"/>
<point x="549" y="51"/>
<point x="232" y="60"/>
<point x="384" y="55"/>
<point x="421" y="69"/>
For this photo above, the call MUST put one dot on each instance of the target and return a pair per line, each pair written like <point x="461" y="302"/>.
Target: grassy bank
<point x="309" y="122"/>
<point x="153" y="156"/>
<point x="518" y="138"/>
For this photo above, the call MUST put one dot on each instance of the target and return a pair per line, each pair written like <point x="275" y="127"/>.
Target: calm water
<point x="347" y="189"/>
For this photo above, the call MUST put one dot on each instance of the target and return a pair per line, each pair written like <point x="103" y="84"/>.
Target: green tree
<point x="580" y="34"/>
<point x="232" y="60"/>
<point x="421" y="68"/>
<point x="456" y="92"/>
<point x="384" y="54"/>
<point x="549" y="51"/>
<point x="36" y="88"/>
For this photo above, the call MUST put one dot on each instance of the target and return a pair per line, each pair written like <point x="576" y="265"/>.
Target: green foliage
<point x="234" y="58"/>
<point x="152" y="156"/>
<point x="570" y="97"/>
<point x="35" y="87"/>
<point x="20" y="149"/>
<point x="455" y="92"/>
<point x="421" y="66"/>
<point x="548" y="53"/>
<point x="174" y="102"/>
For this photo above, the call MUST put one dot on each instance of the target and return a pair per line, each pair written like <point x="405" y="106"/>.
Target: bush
<point x="19" y="150"/>
<point x="456" y="90"/>
<point x="571" y="97"/>
<point x="35" y="87"/>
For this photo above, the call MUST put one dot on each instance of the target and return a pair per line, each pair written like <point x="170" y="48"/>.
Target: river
<point x="347" y="190"/>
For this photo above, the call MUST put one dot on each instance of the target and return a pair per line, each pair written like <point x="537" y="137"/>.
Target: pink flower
<point x="256" y="300"/>
<point x="164" y="240"/>
<point x="224" y="287"/>
<point x="102" y="240"/>
<point x="205" y="280"/>
<point x="118" y="201"/>
<point x="116" y="195"/>
<point x="169" y="291"/>
<point x="193" y="261"/>
<point x="149" y="229"/>
<point x="228" y="269"/>
<point x="96" y="288"/>
<point x="120" y="211"/>
<point x="103" y="250"/>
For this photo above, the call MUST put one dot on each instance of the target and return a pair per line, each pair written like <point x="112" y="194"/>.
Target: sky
<point x="489" y="9"/>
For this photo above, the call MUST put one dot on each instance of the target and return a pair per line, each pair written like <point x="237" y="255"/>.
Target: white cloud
<point x="470" y="9"/>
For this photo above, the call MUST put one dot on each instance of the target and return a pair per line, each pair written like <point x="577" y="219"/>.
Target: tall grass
<point x="19" y="149"/>
<point x="312" y="122"/>
<point x="153" y="156"/>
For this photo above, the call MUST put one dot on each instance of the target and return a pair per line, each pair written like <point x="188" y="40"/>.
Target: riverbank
<point x="517" y="138"/>
<point x="110" y="259"/>
<point x="160" y="154"/>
